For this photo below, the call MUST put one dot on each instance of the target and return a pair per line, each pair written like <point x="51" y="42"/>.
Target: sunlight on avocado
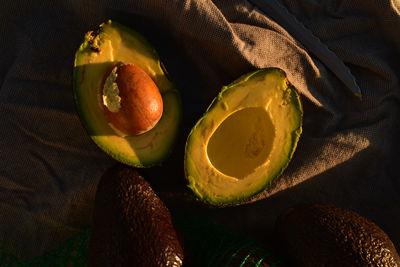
<point x="242" y="142"/>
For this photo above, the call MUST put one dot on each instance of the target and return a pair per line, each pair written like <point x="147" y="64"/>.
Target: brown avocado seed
<point x="132" y="101"/>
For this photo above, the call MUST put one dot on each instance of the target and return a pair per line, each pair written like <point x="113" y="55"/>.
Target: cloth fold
<point x="347" y="154"/>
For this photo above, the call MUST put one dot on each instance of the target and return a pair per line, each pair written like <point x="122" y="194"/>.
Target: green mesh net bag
<point x="207" y="243"/>
<point x="7" y="259"/>
<point x="210" y="244"/>
<point x="72" y="252"/>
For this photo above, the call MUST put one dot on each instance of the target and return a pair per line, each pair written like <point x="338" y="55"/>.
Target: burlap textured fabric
<point x="347" y="154"/>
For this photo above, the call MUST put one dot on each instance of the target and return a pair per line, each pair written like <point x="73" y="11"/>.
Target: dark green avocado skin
<point x="131" y="225"/>
<point x="326" y="235"/>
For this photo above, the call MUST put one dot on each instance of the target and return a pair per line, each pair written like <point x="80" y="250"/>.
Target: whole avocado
<point x="131" y="225"/>
<point x="326" y="235"/>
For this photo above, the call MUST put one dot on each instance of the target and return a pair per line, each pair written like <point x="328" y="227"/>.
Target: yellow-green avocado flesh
<point x="245" y="139"/>
<point x="100" y="50"/>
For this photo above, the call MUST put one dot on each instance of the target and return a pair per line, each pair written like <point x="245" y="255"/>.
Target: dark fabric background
<point x="347" y="154"/>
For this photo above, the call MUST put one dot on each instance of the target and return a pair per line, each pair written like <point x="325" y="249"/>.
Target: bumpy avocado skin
<point x="326" y="235"/>
<point x="131" y="225"/>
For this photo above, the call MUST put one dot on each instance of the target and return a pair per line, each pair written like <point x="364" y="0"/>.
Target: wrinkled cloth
<point x="347" y="154"/>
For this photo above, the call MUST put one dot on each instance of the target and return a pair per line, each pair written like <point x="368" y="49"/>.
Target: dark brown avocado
<point x="326" y="235"/>
<point x="131" y="225"/>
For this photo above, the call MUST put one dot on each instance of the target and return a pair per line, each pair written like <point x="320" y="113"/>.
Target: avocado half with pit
<point x="245" y="139"/>
<point x="111" y="44"/>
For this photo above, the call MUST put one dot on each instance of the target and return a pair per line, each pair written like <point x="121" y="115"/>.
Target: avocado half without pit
<point x="245" y="139"/>
<point x="124" y="98"/>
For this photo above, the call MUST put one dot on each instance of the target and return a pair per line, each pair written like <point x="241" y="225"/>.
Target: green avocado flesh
<point x="100" y="50"/>
<point x="245" y="139"/>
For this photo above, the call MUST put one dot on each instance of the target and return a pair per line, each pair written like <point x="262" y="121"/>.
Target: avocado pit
<point x="132" y="102"/>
